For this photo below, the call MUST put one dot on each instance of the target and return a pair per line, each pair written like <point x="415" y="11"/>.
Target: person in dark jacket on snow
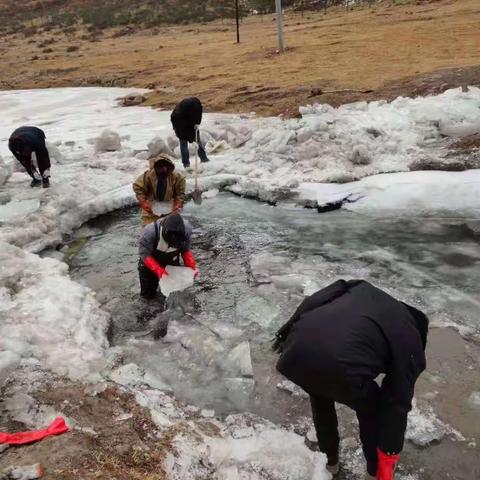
<point x="334" y="346"/>
<point x="186" y="119"/>
<point x="28" y="146"/>
<point x="162" y="243"/>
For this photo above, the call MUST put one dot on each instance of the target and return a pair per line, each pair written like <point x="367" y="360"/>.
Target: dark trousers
<point x="186" y="154"/>
<point x="368" y="414"/>
<point x="148" y="280"/>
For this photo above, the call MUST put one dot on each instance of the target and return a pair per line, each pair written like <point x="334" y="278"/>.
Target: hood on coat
<point x="162" y="156"/>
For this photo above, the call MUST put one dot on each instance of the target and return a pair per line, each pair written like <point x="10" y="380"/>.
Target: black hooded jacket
<point x="185" y="116"/>
<point x="34" y="138"/>
<point x="350" y="332"/>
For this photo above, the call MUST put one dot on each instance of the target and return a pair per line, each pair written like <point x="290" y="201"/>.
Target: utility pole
<point x="281" y="44"/>
<point x="238" y="21"/>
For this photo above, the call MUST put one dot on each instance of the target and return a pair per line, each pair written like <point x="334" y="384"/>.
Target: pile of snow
<point x="46" y="316"/>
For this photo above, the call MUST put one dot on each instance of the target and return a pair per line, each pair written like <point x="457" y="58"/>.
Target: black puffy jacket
<point x="34" y="138"/>
<point x="185" y="116"/>
<point x="352" y="331"/>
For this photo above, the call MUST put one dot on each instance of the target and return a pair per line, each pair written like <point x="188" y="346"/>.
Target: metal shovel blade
<point x="197" y="196"/>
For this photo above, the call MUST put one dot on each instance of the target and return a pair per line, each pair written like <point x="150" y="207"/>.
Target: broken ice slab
<point x="30" y="472"/>
<point x="207" y="413"/>
<point x="178" y="278"/>
<point x="128" y="375"/>
<point x="161" y="208"/>
<point x="240" y="391"/>
<point x="239" y="360"/>
<point x="258" y="310"/>
<point x="291" y="388"/>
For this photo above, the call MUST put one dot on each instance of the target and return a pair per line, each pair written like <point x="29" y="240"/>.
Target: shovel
<point x="197" y="193"/>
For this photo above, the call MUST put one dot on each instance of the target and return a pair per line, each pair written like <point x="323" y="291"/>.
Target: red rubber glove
<point x="144" y="205"/>
<point x="57" y="427"/>
<point x="177" y="206"/>
<point x="386" y="465"/>
<point x="155" y="267"/>
<point x="189" y="261"/>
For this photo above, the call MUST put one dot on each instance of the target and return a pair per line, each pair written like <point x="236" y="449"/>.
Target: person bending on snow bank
<point x="159" y="184"/>
<point x="186" y="118"/>
<point x="162" y="243"/>
<point x="334" y="346"/>
<point x="28" y="146"/>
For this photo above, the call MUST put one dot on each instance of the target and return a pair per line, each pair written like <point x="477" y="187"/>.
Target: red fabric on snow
<point x="57" y="427"/>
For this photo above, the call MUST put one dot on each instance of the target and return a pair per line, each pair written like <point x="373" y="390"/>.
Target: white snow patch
<point x="47" y="316"/>
<point x="412" y="193"/>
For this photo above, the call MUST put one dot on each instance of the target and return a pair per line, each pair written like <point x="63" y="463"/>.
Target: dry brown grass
<point x="363" y="49"/>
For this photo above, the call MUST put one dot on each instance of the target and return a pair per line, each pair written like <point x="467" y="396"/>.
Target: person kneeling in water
<point x="162" y="243"/>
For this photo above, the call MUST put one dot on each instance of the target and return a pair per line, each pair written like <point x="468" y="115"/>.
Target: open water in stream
<point x="256" y="263"/>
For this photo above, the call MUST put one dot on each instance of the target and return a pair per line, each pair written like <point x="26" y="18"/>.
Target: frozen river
<point x="256" y="263"/>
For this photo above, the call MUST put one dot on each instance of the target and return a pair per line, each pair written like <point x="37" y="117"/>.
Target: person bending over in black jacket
<point x="28" y="146"/>
<point x="186" y="119"/>
<point x="335" y="345"/>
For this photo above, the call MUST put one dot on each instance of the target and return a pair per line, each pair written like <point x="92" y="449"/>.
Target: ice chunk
<point x="158" y="145"/>
<point x="239" y="360"/>
<point x="161" y="208"/>
<point x="210" y="193"/>
<point x="424" y="427"/>
<point x="178" y="278"/>
<point x="6" y="169"/>
<point x="240" y="391"/>
<point x="282" y="454"/>
<point x="108" y="141"/>
<point x="474" y="399"/>
<point x="207" y="413"/>
<point x="128" y="375"/>
<point x="18" y="209"/>
<point x="258" y="310"/>
<point x="290" y="387"/>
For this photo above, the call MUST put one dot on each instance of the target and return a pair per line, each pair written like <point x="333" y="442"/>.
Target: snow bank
<point x="411" y="193"/>
<point x="47" y="316"/>
<point x="270" y="158"/>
